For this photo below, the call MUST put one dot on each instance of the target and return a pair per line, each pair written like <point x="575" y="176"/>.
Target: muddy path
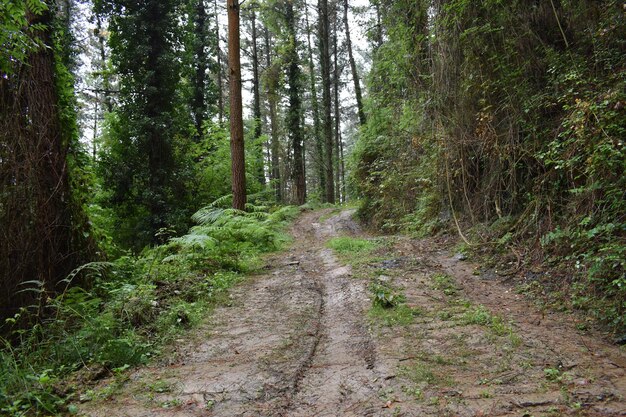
<point x="300" y="340"/>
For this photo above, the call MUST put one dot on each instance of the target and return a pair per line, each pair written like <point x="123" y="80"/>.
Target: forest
<point x="154" y="154"/>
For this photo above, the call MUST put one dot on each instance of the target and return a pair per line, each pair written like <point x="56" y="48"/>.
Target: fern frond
<point x="259" y="215"/>
<point x="222" y="202"/>
<point x="207" y="215"/>
<point x="90" y="267"/>
<point x="194" y="240"/>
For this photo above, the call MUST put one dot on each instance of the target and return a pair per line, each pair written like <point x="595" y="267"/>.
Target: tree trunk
<point x="271" y="80"/>
<point x="41" y="239"/>
<point x="293" y="115"/>
<point x="236" y="116"/>
<point x="355" y="74"/>
<point x="379" y="27"/>
<point x="106" y="79"/>
<point x="319" y="145"/>
<point x="324" y="39"/>
<point x="337" y="117"/>
<point x="256" y="102"/>
<point x="218" y="53"/>
<point x="201" y="64"/>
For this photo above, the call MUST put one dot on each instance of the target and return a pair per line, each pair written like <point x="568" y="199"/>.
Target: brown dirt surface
<point x="302" y="339"/>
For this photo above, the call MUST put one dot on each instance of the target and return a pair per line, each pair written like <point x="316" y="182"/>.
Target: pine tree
<point x="295" y="103"/>
<point x="324" y="46"/>
<point x="43" y="230"/>
<point x="236" y="116"/>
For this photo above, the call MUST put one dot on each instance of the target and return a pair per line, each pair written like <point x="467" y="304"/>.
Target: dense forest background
<point x="501" y="121"/>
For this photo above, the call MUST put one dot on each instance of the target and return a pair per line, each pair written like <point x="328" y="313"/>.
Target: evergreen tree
<point x="324" y="46"/>
<point x="236" y="116"/>
<point x="43" y="229"/>
<point x="294" y="113"/>
<point x="141" y="162"/>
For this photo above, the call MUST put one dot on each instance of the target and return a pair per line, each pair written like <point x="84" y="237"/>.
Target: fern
<point x="195" y="240"/>
<point x="90" y="269"/>
<point x="223" y="202"/>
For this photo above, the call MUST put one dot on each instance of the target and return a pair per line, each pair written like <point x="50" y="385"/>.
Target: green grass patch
<point x="444" y="283"/>
<point x="422" y="373"/>
<point x="350" y="245"/>
<point x="401" y="315"/>
<point x="479" y="315"/>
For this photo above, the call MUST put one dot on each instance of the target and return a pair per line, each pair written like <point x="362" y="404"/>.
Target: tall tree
<point x="42" y="226"/>
<point x="256" y="98"/>
<point x="271" y="78"/>
<point x="355" y="74"/>
<point x="200" y="62"/>
<point x="236" y="116"/>
<point x="140" y="165"/>
<point x="294" y="113"/>
<point x="218" y="54"/>
<point x="319" y="145"/>
<point x="324" y="41"/>
<point x="337" y="110"/>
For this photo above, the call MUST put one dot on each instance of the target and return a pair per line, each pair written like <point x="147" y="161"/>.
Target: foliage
<point x="385" y="297"/>
<point x="145" y="154"/>
<point x="16" y="35"/>
<point x="133" y="306"/>
<point x="494" y="111"/>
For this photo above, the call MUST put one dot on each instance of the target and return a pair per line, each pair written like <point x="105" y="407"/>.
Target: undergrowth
<point x="131" y="309"/>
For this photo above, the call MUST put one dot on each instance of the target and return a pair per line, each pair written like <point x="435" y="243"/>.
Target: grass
<point x="400" y="315"/>
<point x="423" y="373"/>
<point x="479" y="315"/>
<point x="444" y="283"/>
<point x="348" y="245"/>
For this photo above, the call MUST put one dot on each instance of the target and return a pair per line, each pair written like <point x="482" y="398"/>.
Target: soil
<point x="300" y="340"/>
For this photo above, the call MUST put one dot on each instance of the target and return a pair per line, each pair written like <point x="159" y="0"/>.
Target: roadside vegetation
<point x="510" y="133"/>
<point x="132" y="307"/>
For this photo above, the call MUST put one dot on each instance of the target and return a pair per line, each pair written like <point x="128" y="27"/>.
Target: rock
<point x="384" y="278"/>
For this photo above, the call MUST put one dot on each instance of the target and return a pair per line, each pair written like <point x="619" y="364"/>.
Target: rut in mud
<point x="298" y="341"/>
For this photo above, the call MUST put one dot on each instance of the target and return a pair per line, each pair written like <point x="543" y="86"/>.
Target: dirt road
<point x="299" y="341"/>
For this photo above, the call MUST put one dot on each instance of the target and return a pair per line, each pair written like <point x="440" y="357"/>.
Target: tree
<point x="355" y="74"/>
<point x="256" y="98"/>
<point x="337" y="109"/>
<point x="236" y="116"/>
<point x="294" y="113"/>
<point x="319" y="145"/>
<point x="218" y="54"/>
<point x="324" y="41"/>
<point x="200" y="63"/>
<point x="142" y="160"/>
<point x="271" y="80"/>
<point x="43" y="230"/>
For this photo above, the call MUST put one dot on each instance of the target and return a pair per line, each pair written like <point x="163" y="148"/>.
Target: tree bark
<point x="201" y="64"/>
<point x="256" y="102"/>
<point x="106" y="79"/>
<point x="218" y="53"/>
<point x="324" y="40"/>
<point x="337" y="118"/>
<point x="271" y="80"/>
<point x="319" y="145"/>
<point x="41" y="233"/>
<point x="355" y="74"/>
<point x="293" y="115"/>
<point x="236" y="116"/>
